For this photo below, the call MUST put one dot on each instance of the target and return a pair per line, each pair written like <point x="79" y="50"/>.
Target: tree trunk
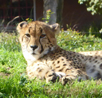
<point x="56" y="10"/>
<point x="59" y="11"/>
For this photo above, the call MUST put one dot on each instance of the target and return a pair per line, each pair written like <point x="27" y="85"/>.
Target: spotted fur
<point x="46" y="60"/>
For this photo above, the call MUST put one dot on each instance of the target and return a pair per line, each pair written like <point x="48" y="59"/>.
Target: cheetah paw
<point x="51" y="76"/>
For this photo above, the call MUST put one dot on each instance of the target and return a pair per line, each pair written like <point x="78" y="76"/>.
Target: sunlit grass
<point x="15" y="84"/>
<point x="75" y="41"/>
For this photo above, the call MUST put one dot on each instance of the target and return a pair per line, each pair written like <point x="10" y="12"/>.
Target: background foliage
<point x="95" y="6"/>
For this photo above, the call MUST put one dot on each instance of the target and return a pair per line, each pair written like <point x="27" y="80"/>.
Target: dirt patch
<point x="4" y="74"/>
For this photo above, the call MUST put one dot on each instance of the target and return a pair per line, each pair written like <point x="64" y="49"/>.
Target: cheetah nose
<point x="34" y="47"/>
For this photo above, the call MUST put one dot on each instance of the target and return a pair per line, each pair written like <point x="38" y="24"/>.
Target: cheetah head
<point x="37" y="38"/>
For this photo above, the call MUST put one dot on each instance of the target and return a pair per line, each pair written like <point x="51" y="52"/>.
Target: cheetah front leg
<point x="74" y="74"/>
<point x="42" y="72"/>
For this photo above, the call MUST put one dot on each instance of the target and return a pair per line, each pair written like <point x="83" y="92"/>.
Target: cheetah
<point x="46" y="60"/>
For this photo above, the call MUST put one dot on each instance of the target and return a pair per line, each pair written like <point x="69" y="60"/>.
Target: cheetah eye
<point x="42" y="35"/>
<point x="28" y="35"/>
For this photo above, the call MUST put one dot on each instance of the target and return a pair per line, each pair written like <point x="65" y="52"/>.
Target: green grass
<point x="75" y="41"/>
<point x="15" y="84"/>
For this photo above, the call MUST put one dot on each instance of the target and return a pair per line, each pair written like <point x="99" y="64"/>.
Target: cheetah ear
<point x="21" y="25"/>
<point x="50" y="31"/>
<point x="55" y="28"/>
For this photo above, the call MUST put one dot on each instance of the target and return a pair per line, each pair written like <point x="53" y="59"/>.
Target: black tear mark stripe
<point x="49" y="46"/>
<point x="42" y="49"/>
<point x="49" y="40"/>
